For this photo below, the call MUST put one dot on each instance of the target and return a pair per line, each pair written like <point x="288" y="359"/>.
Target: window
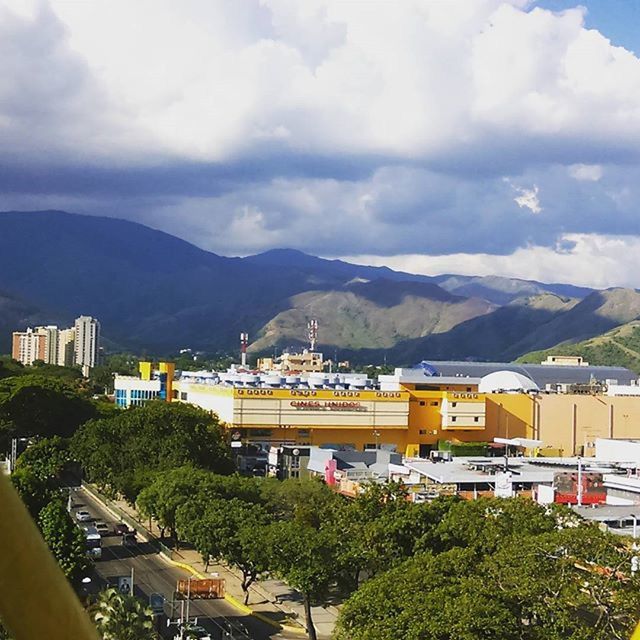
<point x="183" y="395"/>
<point x="476" y="419"/>
<point x="454" y="418"/>
<point x="422" y="403"/>
<point x="454" y="404"/>
<point x="468" y="388"/>
<point x="434" y="403"/>
<point x="424" y="432"/>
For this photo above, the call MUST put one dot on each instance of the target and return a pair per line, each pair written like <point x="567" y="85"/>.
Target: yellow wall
<point x="573" y="422"/>
<point x="145" y="370"/>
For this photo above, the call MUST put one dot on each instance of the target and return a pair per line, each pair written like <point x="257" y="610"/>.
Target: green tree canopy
<point x="304" y="556"/>
<point x="65" y="540"/>
<point x="502" y="569"/>
<point x="121" y="452"/>
<point x="47" y="458"/>
<point x="33" y="405"/>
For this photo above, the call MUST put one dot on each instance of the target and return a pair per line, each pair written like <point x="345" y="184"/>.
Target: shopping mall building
<point x="412" y="411"/>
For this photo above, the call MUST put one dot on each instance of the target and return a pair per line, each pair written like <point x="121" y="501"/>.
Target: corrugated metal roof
<point x="541" y="374"/>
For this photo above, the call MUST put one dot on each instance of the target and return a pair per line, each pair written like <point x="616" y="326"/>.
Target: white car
<point x="83" y="516"/>
<point x="102" y="528"/>
<point x="192" y="632"/>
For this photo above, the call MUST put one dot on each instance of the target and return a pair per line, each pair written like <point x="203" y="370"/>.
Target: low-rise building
<point x="133" y="391"/>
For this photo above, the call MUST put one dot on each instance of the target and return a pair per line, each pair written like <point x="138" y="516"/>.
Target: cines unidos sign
<point x="328" y="405"/>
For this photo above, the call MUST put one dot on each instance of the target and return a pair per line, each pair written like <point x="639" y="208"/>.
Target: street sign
<point x="124" y="584"/>
<point x="156" y="602"/>
<point x="236" y="445"/>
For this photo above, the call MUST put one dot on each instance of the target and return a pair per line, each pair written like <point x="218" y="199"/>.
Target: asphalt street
<point x="153" y="574"/>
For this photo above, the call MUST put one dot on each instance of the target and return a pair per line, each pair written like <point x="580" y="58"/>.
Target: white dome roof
<point x="506" y="381"/>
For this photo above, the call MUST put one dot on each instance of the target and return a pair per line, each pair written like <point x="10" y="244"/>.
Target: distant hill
<point x="488" y="337"/>
<point x="496" y="289"/>
<point x="16" y="314"/>
<point x="372" y="314"/>
<point x="500" y="290"/>
<point x="154" y="292"/>
<point x="619" y="346"/>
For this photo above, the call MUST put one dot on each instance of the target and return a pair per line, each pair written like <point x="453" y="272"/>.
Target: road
<point x="153" y="574"/>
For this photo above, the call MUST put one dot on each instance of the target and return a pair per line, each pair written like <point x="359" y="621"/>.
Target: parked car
<point x="193" y="632"/>
<point x="129" y="539"/>
<point x="120" y="528"/>
<point x="102" y="528"/>
<point x="83" y="516"/>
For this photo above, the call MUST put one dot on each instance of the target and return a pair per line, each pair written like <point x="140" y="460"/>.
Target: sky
<point x="434" y="136"/>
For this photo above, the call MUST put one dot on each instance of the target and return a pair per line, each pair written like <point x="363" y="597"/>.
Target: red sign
<point x="328" y="405"/>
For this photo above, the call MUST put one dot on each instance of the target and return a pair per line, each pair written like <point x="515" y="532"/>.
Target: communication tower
<point x="244" y="341"/>
<point x="312" y="333"/>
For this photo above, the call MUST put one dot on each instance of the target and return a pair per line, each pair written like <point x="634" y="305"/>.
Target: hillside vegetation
<point x="620" y="346"/>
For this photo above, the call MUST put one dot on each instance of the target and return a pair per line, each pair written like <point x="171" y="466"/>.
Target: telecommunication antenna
<point x="312" y="333"/>
<point x="244" y="341"/>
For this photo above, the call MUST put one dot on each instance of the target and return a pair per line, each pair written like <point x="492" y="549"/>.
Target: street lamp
<point x="376" y="435"/>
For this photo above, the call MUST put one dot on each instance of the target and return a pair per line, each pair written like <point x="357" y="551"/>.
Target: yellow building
<point x="409" y="419"/>
<point x="568" y="424"/>
<point x="410" y="413"/>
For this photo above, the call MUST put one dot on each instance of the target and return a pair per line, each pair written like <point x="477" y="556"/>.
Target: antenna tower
<point x="244" y="341"/>
<point x="312" y="333"/>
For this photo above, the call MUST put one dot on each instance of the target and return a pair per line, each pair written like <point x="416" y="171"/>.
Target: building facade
<point x="87" y="339"/>
<point x="29" y="345"/>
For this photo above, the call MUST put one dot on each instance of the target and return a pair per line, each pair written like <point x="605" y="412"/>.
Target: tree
<point x="502" y="569"/>
<point x="303" y="556"/>
<point x="196" y="488"/>
<point x="47" y="458"/>
<point x="118" y="451"/>
<point x="65" y="540"/>
<point x="121" y="616"/>
<point x="39" y="406"/>
<point x="34" y="490"/>
<point x="230" y="530"/>
<point x="430" y="597"/>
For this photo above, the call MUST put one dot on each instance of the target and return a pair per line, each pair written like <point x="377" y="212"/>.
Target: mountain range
<point x="156" y="293"/>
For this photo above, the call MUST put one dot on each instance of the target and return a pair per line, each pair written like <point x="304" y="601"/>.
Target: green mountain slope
<point x="619" y="346"/>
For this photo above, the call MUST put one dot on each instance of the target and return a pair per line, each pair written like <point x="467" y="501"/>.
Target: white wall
<point x="618" y="450"/>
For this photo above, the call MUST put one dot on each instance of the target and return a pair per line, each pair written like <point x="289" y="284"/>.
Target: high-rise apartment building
<point x="50" y="334"/>
<point x="66" y="347"/>
<point x="29" y="346"/>
<point x="78" y="345"/>
<point x="87" y="338"/>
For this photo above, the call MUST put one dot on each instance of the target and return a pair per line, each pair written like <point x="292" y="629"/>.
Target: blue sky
<point x="481" y="137"/>
<point x="618" y="20"/>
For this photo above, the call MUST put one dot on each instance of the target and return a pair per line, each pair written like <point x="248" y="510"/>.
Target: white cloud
<point x="211" y="79"/>
<point x="361" y="126"/>
<point x="586" y="172"/>
<point x="597" y="261"/>
<point x="527" y="198"/>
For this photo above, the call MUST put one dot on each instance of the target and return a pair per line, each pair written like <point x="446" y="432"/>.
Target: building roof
<point x="463" y="472"/>
<point x="607" y="512"/>
<point x="541" y="374"/>
<point x="505" y="380"/>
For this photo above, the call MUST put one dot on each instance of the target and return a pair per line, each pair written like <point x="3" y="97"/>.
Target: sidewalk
<point x="271" y="600"/>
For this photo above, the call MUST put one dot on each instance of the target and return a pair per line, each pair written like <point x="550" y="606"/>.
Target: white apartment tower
<point x="66" y="347"/>
<point x="87" y="339"/>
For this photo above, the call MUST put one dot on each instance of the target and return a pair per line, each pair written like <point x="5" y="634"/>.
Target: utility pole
<point x="579" y="481"/>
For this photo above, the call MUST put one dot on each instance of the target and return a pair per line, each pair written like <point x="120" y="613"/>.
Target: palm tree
<point x="120" y="616"/>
